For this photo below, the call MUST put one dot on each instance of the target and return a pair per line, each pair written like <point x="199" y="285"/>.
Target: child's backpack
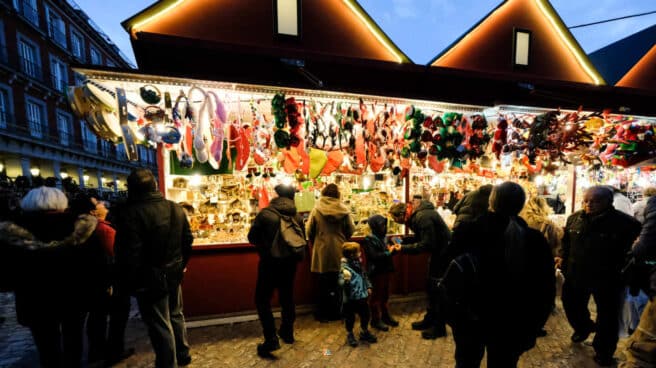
<point x="289" y="240"/>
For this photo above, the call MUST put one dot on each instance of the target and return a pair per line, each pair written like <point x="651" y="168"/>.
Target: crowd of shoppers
<point x="58" y="249"/>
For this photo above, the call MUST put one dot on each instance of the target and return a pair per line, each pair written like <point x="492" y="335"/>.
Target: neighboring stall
<point x="236" y="107"/>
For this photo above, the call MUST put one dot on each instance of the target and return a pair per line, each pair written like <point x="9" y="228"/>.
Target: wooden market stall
<point x="250" y="94"/>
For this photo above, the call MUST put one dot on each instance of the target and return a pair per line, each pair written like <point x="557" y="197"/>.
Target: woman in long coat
<point x="328" y="227"/>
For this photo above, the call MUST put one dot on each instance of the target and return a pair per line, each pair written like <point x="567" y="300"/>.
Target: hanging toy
<point x="500" y="137"/>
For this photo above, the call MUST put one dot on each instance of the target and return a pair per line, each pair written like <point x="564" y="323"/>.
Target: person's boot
<point x="367" y="336"/>
<point x="264" y="349"/>
<point x="433" y="333"/>
<point x="350" y="339"/>
<point x="287" y="335"/>
<point x="389" y="320"/>
<point x="424" y="324"/>
<point x="379" y="325"/>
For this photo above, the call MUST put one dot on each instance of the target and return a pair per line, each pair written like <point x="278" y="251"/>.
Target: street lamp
<point x="63" y="174"/>
<point x="35" y="171"/>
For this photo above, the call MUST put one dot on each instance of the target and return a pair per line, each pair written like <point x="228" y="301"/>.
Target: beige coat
<point x="329" y="226"/>
<point x="552" y="232"/>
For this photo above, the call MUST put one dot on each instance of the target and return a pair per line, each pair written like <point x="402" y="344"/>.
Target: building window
<point x="59" y="74"/>
<point x="28" y="9"/>
<point x="4" y="56"/>
<point x="88" y="138"/>
<point x="120" y="152"/>
<point x="287" y="18"/>
<point x="96" y="58"/>
<point x="77" y="45"/>
<point x="36" y="117"/>
<point x="6" y="106"/>
<point x="56" y="27"/>
<point x="521" y="47"/>
<point x="28" y="53"/>
<point x="106" y="148"/>
<point x="65" y="128"/>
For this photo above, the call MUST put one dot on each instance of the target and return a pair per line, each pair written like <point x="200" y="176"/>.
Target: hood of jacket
<point x="331" y="208"/>
<point x="283" y="205"/>
<point x="423" y="206"/>
<point x="19" y="236"/>
<point x="378" y="226"/>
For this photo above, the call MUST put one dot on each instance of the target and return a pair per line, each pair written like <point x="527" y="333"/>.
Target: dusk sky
<point x="423" y="28"/>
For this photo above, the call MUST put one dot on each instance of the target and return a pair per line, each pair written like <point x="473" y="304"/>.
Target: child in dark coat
<point x="357" y="289"/>
<point x="379" y="267"/>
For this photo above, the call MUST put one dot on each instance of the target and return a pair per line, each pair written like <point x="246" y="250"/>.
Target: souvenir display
<point x="224" y="148"/>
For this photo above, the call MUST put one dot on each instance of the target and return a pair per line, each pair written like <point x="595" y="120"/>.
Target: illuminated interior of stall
<point x="226" y="146"/>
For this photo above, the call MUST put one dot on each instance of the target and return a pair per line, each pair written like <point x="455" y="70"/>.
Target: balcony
<point x="30" y="68"/>
<point x="28" y="12"/>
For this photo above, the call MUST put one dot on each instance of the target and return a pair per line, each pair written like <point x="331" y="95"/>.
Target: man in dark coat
<point x="274" y="273"/>
<point x="595" y="244"/>
<point x="152" y="248"/>
<point x="514" y="286"/>
<point x="430" y="235"/>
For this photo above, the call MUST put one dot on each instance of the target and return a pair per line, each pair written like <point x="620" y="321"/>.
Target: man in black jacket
<point x="430" y="235"/>
<point x="152" y="248"/>
<point x="274" y="273"/>
<point x="513" y="285"/>
<point x="595" y="245"/>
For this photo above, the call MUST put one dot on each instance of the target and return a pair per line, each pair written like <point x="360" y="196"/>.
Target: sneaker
<point x="264" y="349"/>
<point x="368" y="337"/>
<point x="184" y="361"/>
<point x="287" y="337"/>
<point x="379" y="325"/>
<point x="350" y="339"/>
<point x="389" y="320"/>
<point x="433" y="333"/>
<point x="604" y="361"/>
<point x="424" y="324"/>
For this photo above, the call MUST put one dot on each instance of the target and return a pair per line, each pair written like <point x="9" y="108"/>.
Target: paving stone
<point x="317" y="345"/>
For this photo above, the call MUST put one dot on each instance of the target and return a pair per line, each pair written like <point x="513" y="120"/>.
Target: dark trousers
<point x="379" y="298"/>
<point x="351" y="308"/>
<point x="275" y="274"/>
<point x="330" y="297"/>
<point x="59" y="341"/>
<point x="166" y="326"/>
<point x="609" y="306"/>
<point x="434" y="311"/>
<point x="107" y="339"/>
<point x="471" y="342"/>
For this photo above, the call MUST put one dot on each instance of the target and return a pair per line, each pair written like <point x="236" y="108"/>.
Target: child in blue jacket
<point x="357" y="289"/>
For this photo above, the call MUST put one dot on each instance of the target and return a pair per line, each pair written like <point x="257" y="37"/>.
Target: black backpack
<point x="289" y="240"/>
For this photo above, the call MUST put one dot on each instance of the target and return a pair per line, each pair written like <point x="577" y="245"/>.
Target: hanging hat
<point x="281" y="138"/>
<point x="334" y="161"/>
<point x="318" y="160"/>
<point x="292" y="160"/>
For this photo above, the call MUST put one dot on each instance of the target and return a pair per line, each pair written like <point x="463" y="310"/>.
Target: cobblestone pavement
<point x="318" y="345"/>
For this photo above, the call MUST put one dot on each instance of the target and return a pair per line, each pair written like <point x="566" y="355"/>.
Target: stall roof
<point x="615" y="60"/>
<point x="643" y="74"/>
<point x="489" y="46"/>
<point x="334" y="28"/>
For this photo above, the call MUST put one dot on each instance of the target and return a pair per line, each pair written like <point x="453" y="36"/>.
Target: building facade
<point x="39" y="134"/>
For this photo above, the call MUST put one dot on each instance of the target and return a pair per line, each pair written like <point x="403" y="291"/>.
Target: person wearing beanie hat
<point x="430" y="235"/>
<point x="329" y="225"/>
<point x="379" y="251"/>
<point x="285" y="191"/>
<point x="274" y="273"/>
